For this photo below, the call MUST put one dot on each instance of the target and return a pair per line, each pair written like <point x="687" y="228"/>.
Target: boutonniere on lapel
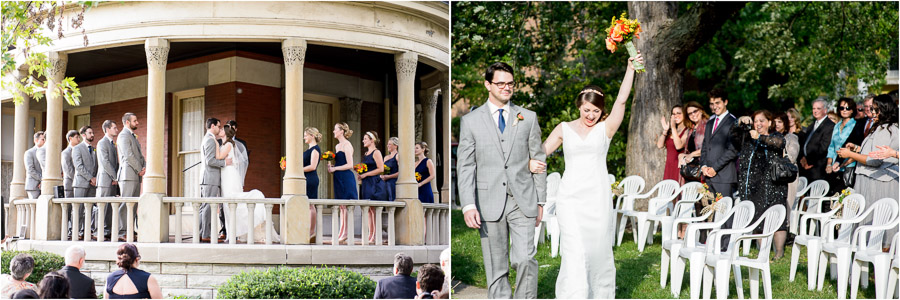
<point x="519" y="117"/>
<point x="135" y="135"/>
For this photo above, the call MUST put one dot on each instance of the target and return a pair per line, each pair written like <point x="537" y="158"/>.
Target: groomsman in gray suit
<point x="212" y="174"/>
<point x="131" y="166"/>
<point x="34" y="170"/>
<point x="84" y="160"/>
<point x="107" y="166"/>
<point x="67" y="167"/>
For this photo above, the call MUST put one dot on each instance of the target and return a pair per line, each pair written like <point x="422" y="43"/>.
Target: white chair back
<point x="666" y="189"/>
<point x="726" y="204"/>
<point x="886" y="215"/>
<point x="689" y="195"/>
<point x="854" y="205"/>
<point x="818" y="188"/>
<point x="801" y="183"/>
<point x="632" y="185"/>
<point x="553" y="185"/>
<point x="774" y="218"/>
<point x="612" y="178"/>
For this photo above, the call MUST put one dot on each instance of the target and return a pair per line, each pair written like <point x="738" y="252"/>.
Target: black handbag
<point x="783" y="169"/>
<point x="849" y="176"/>
<point x="691" y="170"/>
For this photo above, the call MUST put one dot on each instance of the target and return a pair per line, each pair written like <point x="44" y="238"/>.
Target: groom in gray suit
<point x="499" y="194"/>
<point x="212" y="170"/>
<point x="131" y="166"/>
<point x="34" y="170"/>
<point x="107" y="166"/>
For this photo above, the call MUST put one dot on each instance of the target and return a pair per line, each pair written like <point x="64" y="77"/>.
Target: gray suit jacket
<point x="33" y="170"/>
<point x="880" y="169"/>
<point x="212" y="167"/>
<point x="131" y="159"/>
<point x="491" y="164"/>
<point x="85" y="162"/>
<point x="68" y="168"/>
<point x="107" y="162"/>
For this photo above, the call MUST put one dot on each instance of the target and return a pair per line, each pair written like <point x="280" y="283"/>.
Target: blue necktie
<point x="502" y="123"/>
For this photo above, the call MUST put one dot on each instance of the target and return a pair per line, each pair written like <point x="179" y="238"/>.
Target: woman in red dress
<point x="672" y="139"/>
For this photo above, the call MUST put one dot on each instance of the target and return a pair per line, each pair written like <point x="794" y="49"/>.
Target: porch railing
<point x="70" y="206"/>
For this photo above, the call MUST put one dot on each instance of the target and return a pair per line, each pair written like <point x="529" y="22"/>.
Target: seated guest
<point x="445" y="266"/>
<point x="140" y="284"/>
<point x="401" y="285"/>
<point x="429" y="283"/>
<point x="25" y="294"/>
<point x="20" y="267"/>
<point x="80" y="286"/>
<point x="54" y="286"/>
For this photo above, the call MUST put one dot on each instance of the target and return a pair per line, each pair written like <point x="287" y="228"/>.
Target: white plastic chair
<point x="549" y="222"/>
<point x="816" y="194"/>
<point x="841" y="248"/>
<point x="658" y="206"/>
<point x="853" y="206"/>
<point x="774" y="218"/>
<point x="894" y="273"/>
<point x="612" y="178"/>
<point x="671" y="248"/>
<point x="867" y="253"/>
<point x="631" y="185"/>
<point x="801" y="184"/>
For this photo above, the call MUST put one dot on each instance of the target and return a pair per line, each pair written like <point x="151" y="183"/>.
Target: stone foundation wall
<point x="202" y="280"/>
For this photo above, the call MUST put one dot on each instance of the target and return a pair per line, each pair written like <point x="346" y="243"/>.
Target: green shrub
<point x="44" y="262"/>
<point x="295" y="283"/>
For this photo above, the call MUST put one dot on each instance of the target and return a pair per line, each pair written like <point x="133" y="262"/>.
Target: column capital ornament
<point x="429" y="102"/>
<point x="157" y="51"/>
<point x="294" y="51"/>
<point x="58" y="62"/>
<point x="406" y="65"/>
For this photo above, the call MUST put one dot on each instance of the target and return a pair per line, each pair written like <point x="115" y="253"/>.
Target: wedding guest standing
<point x="791" y="150"/>
<point x="878" y="178"/>
<point x="759" y="145"/>
<point x="373" y="188"/>
<point x="66" y="162"/>
<point x="860" y="131"/>
<point x="815" y="140"/>
<point x="835" y="166"/>
<point x="392" y="166"/>
<point x="33" y="167"/>
<point x="344" y="180"/>
<point x="311" y="157"/>
<point x="696" y="132"/>
<point x="796" y="119"/>
<point x="671" y="139"/>
<point x="424" y="173"/>
<point x="717" y="157"/>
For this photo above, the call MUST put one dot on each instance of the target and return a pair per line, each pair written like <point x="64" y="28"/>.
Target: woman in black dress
<point x="311" y="157"/>
<point x="759" y="144"/>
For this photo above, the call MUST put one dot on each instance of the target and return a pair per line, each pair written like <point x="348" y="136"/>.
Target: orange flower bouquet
<point x="361" y="168"/>
<point x="623" y="31"/>
<point x="328" y="156"/>
<point x="418" y="177"/>
<point x="283" y="163"/>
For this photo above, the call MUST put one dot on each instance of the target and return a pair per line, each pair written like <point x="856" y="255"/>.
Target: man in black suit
<point x="863" y="124"/>
<point x="814" y="142"/>
<point x="401" y="285"/>
<point x="718" y="155"/>
<point x="80" y="286"/>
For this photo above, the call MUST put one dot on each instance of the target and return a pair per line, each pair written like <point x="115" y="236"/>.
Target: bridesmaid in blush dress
<point x="344" y="178"/>
<point x="311" y="157"/>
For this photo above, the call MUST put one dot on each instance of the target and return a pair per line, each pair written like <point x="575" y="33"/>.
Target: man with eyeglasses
<point x="498" y="192"/>
<point x="815" y="139"/>
<point x="863" y="126"/>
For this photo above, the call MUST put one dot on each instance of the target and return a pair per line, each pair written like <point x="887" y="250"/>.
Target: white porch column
<point x="294" y="182"/>
<point x="20" y="144"/>
<point x="153" y="214"/>
<point x="47" y="217"/>
<point x="445" y="151"/>
<point x="429" y="132"/>
<point x="411" y="219"/>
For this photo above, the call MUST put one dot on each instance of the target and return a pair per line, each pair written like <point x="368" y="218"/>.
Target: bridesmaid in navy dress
<point x="373" y="188"/>
<point x="344" y="177"/>
<point x="390" y="161"/>
<point x="425" y="168"/>
<point x="311" y="157"/>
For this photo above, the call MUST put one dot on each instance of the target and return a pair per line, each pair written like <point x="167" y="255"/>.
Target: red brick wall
<point x="257" y="110"/>
<point x="115" y="110"/>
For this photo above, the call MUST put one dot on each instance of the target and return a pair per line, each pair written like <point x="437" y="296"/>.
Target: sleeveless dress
<point x="425" y="193"/>
<point x="672" y="171"/>
<point x="373" y="188"/>
<point x="392" y="183"/>
<point x="586" y="219"/>
<point x="232" y="188"/>
<point x="344" y="181"/>
<point x="137" y="276"/>
<point x="312" y="178"/>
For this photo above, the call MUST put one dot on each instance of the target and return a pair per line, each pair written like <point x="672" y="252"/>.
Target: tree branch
<point x="693" y="29"/>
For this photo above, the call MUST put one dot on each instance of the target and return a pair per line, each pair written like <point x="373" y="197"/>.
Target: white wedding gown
<point x="232" y="187"/>
<point x="586" y="219"/>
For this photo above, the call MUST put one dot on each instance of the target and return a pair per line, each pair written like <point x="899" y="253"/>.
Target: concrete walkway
<point x="464" y="291"/>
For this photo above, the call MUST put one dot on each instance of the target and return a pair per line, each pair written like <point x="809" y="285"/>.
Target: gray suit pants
<point x="109" y="191"/>
<point x="79" y="193"/>
<point x="33" y="194"/>
<point x="497" y="252"/>
<point x="128" y="188"/>
<point x="207" y="191"/>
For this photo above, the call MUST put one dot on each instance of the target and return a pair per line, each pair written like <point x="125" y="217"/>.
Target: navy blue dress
<point x="344" y="181"/>
<point x="312" y="178"/>
<point x="392" y="183"/>
<point x="425" y="193"/>
<point x="137" y="276"/>
<point x="373" y="188"/>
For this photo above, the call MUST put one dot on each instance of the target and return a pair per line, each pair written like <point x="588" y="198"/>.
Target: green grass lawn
<point x="637" y="274"/>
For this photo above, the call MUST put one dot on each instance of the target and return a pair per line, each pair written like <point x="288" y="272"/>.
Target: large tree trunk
<point x="667" y="42"/>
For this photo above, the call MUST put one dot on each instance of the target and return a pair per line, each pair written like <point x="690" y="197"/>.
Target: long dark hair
<point x="887" y="111"/>
<point x="54" y="286"/>
<point x="229" y="134"/>
<point x="126" y="255"/>
<point x="594" y="95"/>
